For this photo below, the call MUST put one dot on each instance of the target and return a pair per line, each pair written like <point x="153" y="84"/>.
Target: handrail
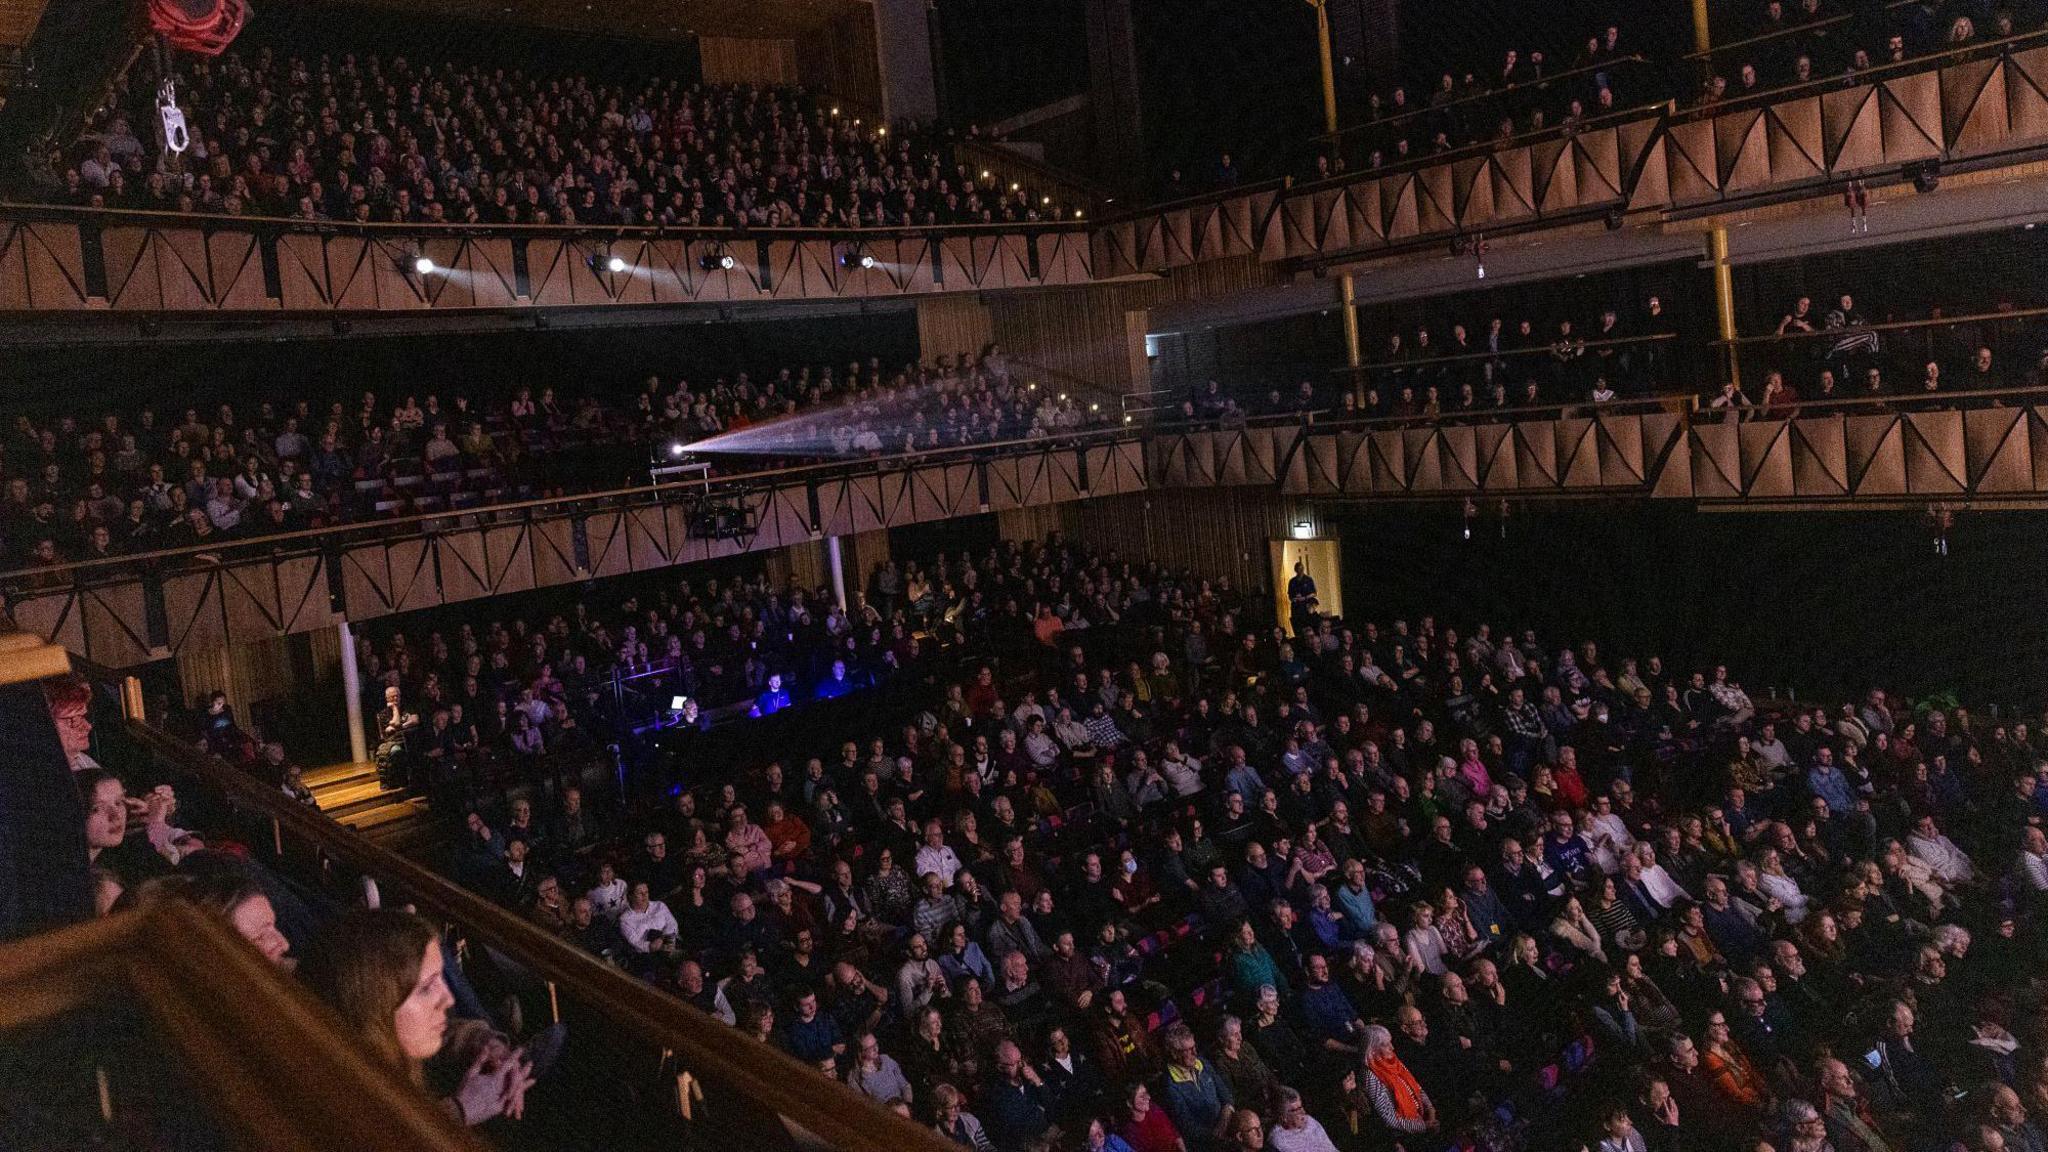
<point x="1895" y="400"/>
<point x="387" y="525"/>
<point x="271" y="1061"/>
<point x="763" y="1076"/>
<point x="1933" y="62"/>
<point x="1483" y="147"/>
<point x="1476" y="97"/>
<point x="1886" y="326"/>
<point x="1532" y="350"/>
<point x="1327" y="419"/>
<point x="595" y="232"/>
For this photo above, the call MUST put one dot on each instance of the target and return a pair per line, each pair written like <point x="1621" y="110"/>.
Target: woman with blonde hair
<point x="381" y="970"/>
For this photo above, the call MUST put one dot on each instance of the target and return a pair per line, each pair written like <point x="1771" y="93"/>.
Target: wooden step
<point x="338" y="775"/>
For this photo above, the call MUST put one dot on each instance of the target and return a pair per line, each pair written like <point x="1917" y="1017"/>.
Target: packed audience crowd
<point x="1824" y="361"/>
<point x="75" y="488"/>
<point x="1354" y="886"/>
<point x="1491" y="366"/>
<point x="1778" y="43"/>
<point x="369" y="138"/>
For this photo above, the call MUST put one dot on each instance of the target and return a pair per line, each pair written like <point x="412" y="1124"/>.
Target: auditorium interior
<point x="1072" y="576"/>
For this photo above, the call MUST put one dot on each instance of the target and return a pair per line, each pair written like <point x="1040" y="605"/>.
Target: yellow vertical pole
<point x="1702" y="36"/>
<point x="1724" y="301"/>
<point x="1346" y="286"/>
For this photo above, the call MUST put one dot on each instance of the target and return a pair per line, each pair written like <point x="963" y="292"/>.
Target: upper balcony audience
<point x="370" y="138"/>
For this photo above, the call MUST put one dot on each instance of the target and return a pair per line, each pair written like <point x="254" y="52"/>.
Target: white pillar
<point x="832" y="558"/>
<point x="352" y="690"/>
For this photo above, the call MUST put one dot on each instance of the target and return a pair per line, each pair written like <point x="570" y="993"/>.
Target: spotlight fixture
<point x="616" y="264"/>
<point x="1063" y="397"/>
<point x="675" y="450"/>
<point x="984" y="173"/>
<point x="1615" y="217"/>
<point x="423" y="266"/>
<point x="856" y="257"/>
<point x="1926" y="177"/>
<point x="1077" y="213"/>
<point x="1014" y="186"/>
<point x="717" y="262"/>
<point x="1094" y="407"/>
<point x="1044" y="200"/>
<point x="835" y="109"/>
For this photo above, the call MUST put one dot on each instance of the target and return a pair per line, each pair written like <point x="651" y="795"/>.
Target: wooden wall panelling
<point x="1620" y="444"/>
<point x="554" y="552"/>
<point x="42" y="267"/>
<point x="380" y="579"/>
<point x="1876" y="453"/>
<point x="303" y="281"/>
<point x="1909" y="112"/>
<point x="749" y="60"/>
<point x="1766" y="447"/>
<point x="1820" y="457"/>
<point x="55" y="616"/>
<point x="952" y="325"/>
<point x="235" y="263"/>
<point x="604" y="535"/>
<point x="841" y="57"/>
<point x="463" y="568"/>
<point x="1935" y="457"/>
<point x="116" y="624"/>
<point x="2026" y="94"/>
<point x="1999" y="450"/>
<point x="1973" y="106"/>
<point x="192" y="610"/>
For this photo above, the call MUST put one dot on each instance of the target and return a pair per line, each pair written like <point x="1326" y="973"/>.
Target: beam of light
<point x="423" y="266"/>
<point x="832" y="431"/>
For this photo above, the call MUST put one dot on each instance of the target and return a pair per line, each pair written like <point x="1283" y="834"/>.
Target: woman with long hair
<point x="381" y="970"/>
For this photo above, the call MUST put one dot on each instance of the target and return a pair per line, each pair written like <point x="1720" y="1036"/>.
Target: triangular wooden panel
<point x="1666" y="463"/>
<point x="1794" y="136"/>
<point x="1494" y="450"/>
<point x="1035" y="471"/>
<point x="366" y="582"/>
<point x="1744" y="152"/>
<point x="1716" y="460"/>
<point x="963" y="492"/>
<point x="116" y="624"/>
<point x="1653" y="179"/>
<point x="1127" y="460"/>
<point x="1402" y="219"/>
<point x="892" y="500"/>
<point x="647" y="540"/>
<point x="1820" y="457"/>
<point x="1326" y="461"/>
<point x="1909" y="111"/>
<point x="303" y="598"/>
<point x="604" y="538"/>
<point x="1013" y="257"/>
<point x="1514" y="183"/>
<point x="1063" y="476"/>
<point x="1176" y="236"/>
<point x="1766" y="458"/>
<point x="1973" y="106"/>
<point x="835" y="507"/>
<point x="1472" y="183"/>
<point x="1458" y="448"/>
<point x="1690" y="159"/>
<point x="235" y="261"/>
<point x="465" y="572"/>
<point x="1367" y="222"/>
<point x="1262" y="455"/>
<point x="1332" y="221"/>
<point x="192" y="612"/>
<point x="508" y="556"/>
<point x="1596" y="160"/>
<point x="1347" y="459"/>
<point x="15" y="295"/>
<point x="1436" y="201"/>
<point x="1535" y="455"/>
<point x="1876" y="455"/>
<point x="183" y="273"/>
<point x="1578" y="453"/>
<point x="789" y="518"/>
<point x="1934" y="453"/>
<point x="2026" y="94"/>
<point x="446" y="289"/>
<point x="412" y="576"/>
<point x="554" y="551"/>
<point x="1234" y="217"/>
<point x="1620" y="445"/>
<point x="1850" y="129"/>
<point x="54" y="257"/>
<point x="302" y="279"/>
<point x="1387" y="460"/>
<point x="1556" y="175"/>
<point x="132" y="276"/>
<point x="1204" y="448"/>
<point x="2000" y="453"/>
<point x="250" y="602"/>
<point x="56" y="618"/>
<point x="1230" y="454"/>
<point x="1006" y="483"/>
<point x="1419" y="449"/>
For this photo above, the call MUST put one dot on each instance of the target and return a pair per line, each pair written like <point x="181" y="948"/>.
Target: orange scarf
<point x="1400" y="1085"/>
